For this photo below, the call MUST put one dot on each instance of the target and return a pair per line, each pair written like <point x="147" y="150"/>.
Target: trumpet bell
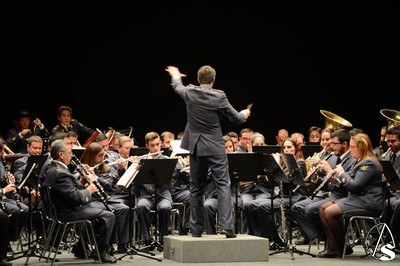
<point x="392" y="116"/>
<point x="334" y="121"/>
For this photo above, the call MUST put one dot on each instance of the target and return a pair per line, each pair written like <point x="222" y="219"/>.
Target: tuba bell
<point x="334" y="121"/>
<point x="393" y="118"/>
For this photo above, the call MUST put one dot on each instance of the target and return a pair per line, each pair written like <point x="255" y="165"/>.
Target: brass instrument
<point x="100" y="193"/>
<point x="334" y="121"/>
<point x="7" y="149"/>
<point x="326" y="179"/>
<point x="311" y="172"/>
<point x="393" y="117"/>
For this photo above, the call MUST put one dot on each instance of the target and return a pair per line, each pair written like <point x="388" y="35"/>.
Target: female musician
<point x="260" y="211"/>
<point x="94" y="155"/>
<point x="363" y="181"/>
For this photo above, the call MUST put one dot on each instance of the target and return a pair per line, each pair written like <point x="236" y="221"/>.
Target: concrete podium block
<point x="216" y="248"/>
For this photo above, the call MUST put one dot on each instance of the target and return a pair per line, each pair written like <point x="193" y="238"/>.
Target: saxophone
<point x="283" y="232"/>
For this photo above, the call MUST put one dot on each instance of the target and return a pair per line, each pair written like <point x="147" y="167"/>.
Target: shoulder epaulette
<point x="219" y="91"/>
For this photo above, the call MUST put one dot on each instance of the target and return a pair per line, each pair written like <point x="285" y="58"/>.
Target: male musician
<point x="74" y="201"/>
<point x="151" y="194"/>
<point x="4" y="225"/>
<point x="18" y="210"/>
<point x="18" y="136"/>
<point x="306" y="211"/>
<point x="66" y="123"/>
<point x="392" y="155"/>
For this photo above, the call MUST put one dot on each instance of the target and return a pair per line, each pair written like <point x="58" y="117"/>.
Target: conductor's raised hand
<point x="246" y="112"/>
<point x="174" y="72"/>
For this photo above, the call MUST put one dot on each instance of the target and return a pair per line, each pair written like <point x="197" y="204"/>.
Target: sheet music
<point x="176" y="147"/>
<point x="130" y="173"/>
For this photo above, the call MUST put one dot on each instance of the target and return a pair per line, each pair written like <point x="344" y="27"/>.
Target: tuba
<point x="334" y="121"/>
<point x="393" y="118"/>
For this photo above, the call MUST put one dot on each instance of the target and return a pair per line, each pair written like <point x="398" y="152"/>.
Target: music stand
<point x="31" y="177"/>
<point x="156" y="172"/>
<point x="393" y="181"/>
<point x="268" y="166"/>
<point x="138" y="151"/>
<point x="242" y="167"/>
<point x="126" y="182"/>
<point x="309" y="150"/>
<point x="294" y="177"/>
<point x="269" y="149"/>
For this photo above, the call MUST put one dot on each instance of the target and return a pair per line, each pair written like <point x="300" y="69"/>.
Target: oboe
<point x="100" y="193"/>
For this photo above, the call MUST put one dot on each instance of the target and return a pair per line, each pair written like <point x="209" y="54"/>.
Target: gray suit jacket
<point x="205" y="107"/>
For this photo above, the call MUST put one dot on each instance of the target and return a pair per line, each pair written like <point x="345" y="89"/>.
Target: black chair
<point x="59" y="228"/>
<point x="357" y="228"/>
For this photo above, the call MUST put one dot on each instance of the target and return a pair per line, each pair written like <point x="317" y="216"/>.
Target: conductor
<point x="203" y="138"/>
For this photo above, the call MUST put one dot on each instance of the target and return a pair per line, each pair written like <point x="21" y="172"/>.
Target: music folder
<point x="295" y="175"/>
<point x="130" y="174"/>
<point x="390" y="174"/>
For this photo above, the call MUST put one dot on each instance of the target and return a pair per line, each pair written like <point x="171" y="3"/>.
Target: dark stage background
<point x="107" y="61"/>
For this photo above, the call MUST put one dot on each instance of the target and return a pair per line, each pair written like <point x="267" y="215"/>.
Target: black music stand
<point x="126" y="182"/>
<point x="309" y="150"/>
<point x="138" y="151"/>
<point x="294" y="177"/>
<point x="269" y="149"/>
<point x="156" y="172"/>
<point x="393" y="181"/>
<point x="268" y="166"/>
<point x="31" y="178"/>
<point x="242" y="167"/>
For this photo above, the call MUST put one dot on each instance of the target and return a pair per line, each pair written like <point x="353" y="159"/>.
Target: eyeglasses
<point x="335" y="143"/>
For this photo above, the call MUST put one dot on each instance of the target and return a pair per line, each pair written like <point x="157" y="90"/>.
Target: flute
<point x="130" y="158"/>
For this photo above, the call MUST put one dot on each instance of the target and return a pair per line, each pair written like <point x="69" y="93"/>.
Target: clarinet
<point x="100" y="193"/>
<point x="17" y="196"/>
<point x="326" y="179"/>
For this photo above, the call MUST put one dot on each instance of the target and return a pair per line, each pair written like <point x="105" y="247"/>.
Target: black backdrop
<point x="107" y="61"/>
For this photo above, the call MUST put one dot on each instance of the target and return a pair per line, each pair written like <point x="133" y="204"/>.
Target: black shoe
<point x="228" y="233"/>
<point x="196" y="235"/>
<point x="148" y="246"/>
<point x="121" y="249"/>
<point x="79" y="252"/>
<point x="349" y="250"/>
<point x="302" y="241"/>
<point x="184" y="231"/>
<point x="105" y="257"/>
<point x="10" y="252"/>
<point x="4" y="262"/>
<point x="330" y="254"/>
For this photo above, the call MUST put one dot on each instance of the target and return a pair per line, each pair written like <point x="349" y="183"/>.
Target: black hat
<point x="24" y="113"/>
